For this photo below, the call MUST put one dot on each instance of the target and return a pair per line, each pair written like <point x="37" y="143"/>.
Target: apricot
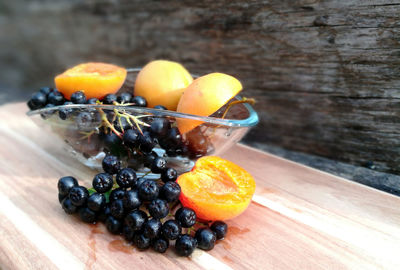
<point x="162" y="82"/>
<point x="204" y="96"/>
<point x="216" y="189"/>
<point x="96" y="80"/>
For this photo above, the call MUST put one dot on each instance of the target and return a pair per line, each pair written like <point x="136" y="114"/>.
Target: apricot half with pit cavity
<point x="96" y="80"/>
<point x="216" y="189"/>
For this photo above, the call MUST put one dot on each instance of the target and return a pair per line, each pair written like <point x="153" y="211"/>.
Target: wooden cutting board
<point x="300" y="218"/>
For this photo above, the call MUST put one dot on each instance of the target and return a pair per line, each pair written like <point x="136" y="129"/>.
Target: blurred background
<point x="325" y="74"/>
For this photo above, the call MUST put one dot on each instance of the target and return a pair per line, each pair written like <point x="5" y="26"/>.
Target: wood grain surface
<point x="324" y="72"/>
<point x="300" y="218"/>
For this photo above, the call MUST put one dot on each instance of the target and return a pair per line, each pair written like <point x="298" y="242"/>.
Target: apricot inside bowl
<point x="214" y="136"/>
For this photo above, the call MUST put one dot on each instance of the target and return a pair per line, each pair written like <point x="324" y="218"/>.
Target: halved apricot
<point x="96" y="80"/>
<point x="206" y="95"/>
<point x="162" y="82"/>
<point x="216" y="189"/>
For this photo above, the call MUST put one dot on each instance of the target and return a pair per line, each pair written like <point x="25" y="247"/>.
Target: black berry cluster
<point x="140" y="209"/>
<point x="120" y="133"/>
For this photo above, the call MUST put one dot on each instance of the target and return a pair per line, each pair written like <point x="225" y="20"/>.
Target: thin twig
<point x="243" y="100"/>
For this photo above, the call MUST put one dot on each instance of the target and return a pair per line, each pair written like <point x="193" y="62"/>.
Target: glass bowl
<point x="88" y="136"/>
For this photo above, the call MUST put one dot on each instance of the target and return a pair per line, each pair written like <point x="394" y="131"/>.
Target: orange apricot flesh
<point x="96" y="80"/>
<point x="206" y="95"/>
<point x="216" y="189"/>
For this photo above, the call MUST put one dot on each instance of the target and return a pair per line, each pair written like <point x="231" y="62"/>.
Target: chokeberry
<point x="124" y="97"/>
<point x="84" y="120"/>
<point x="117" y="194"/>
<point x="47" y="114"/>
<point x="131" y="200"/>
<point x="113" y="225"/>
<point x="170" y="191"/>
<point x="78" y="97"/>
<point x="169" y="174"/>
<point x="111" y="164"/>
<point x="139" y="182"/>
<point x="151" y="228"/>
<point x="186" y="217"/>
<point x="136" y="219"/>
<point x="174" y="136"/>
<point x="139" y="101"/>
<point x="65" y="184"/>
<point x="171" y="229"/>
<point x="45" y="90"/>
<point x="78" y="195"/>
<point x="104" y="213"/>
<point x="158" y="208"/>
<point x="121" y="124"/>
<point x="141" y="241"/>
<point x="31" y="106"/>
<point x="205" y="238"/>
<point x="149" y="158"/>
<point x="146" y="143"/>
<point x="128" y="233"/>
<point x="159" y="127"/>
<point x="148" y="190"/>
<point x="126" y="178"/>
<point x="64" y="113"/>
<point x="109" y="99"/>
<point x="68" y="207"/>
<point x="159" y="165"/>
<point x="87" y="215"/>
<point x="160" y="245"/>
<point x="131" y="138"/>
<point x="112" y="142"/>
<point x="185" y="245"/>
<point x="55" y="97"/>
<point x="102" y="182"/>
<point x="220" y="228"/>
<point x="38" y="100"/>
<point x="160" y="107"/>
<point x="61" y="197"/>
<point x="96" y="202"/>
<point x="117" y="209"/>
<point x="92" y="101"/>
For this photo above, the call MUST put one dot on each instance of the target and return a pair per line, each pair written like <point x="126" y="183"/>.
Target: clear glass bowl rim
<point x="250" y="121"/>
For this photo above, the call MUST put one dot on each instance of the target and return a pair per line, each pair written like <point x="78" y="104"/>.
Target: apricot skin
<point x="96" y="80"/>
<point x="216" y="189"/>
<point x="206" y="95"/>
<point x="162" y="82"/>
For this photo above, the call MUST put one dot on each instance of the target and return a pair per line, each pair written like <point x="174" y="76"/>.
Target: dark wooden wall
<point x="326" y="74"/>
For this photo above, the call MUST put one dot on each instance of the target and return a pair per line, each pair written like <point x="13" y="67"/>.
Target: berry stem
<point x="251" y="101"/>
<point x="90" y="133"/>
<point x="129" y="117"/>
<point x="190" y="230"/>
<point x="108" y="124"/>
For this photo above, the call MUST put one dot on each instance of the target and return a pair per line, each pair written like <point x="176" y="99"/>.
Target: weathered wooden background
<point x="326" y="74"/>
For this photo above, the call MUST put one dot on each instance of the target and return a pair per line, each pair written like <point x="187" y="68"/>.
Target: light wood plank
<point x="300" y="218"/>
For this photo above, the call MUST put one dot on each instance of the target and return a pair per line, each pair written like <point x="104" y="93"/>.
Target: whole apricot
<point x="96" y="80"/>
<point x="216" y="189"/>
<point x="204" y="96"/>
<point x="162" y="82"/>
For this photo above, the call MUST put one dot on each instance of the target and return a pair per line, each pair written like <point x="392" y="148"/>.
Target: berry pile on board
<point x="147" y="212"/>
